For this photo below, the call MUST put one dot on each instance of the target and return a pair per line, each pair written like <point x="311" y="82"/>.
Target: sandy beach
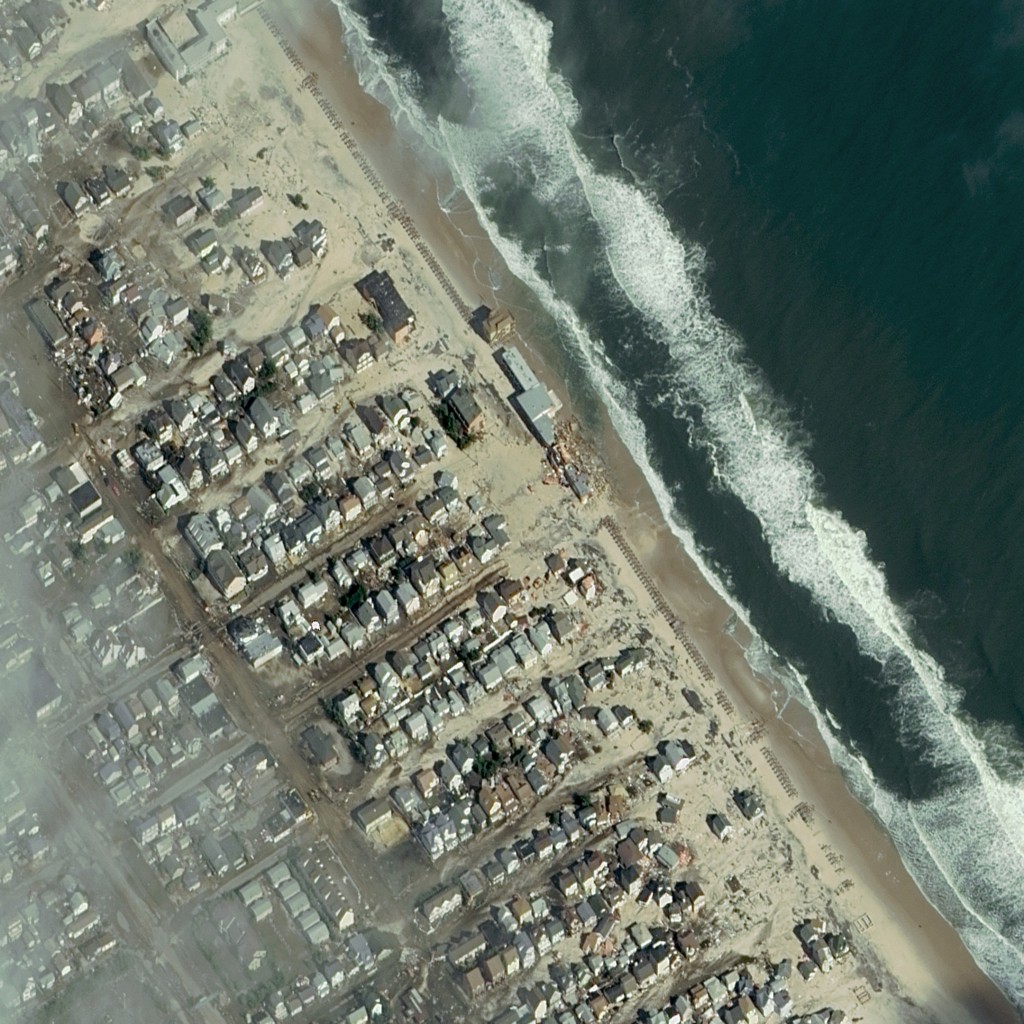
<point x="915" y="957"/>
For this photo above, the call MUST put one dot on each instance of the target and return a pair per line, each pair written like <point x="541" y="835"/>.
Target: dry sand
<point x="923" y="956"/>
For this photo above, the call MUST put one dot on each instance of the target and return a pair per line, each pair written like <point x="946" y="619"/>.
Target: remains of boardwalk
<point x="658" y="598"/>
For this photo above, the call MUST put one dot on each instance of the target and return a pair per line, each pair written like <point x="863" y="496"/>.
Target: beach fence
<point x="664" y="608"/>
<point x="395" y="209"/>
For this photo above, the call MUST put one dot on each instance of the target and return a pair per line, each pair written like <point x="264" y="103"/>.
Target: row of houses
<point x="366" y="1006"/>
<point x="239" y="545"/>
<point x="446" y="807"/>
<point x="104" y="84"/>
<point x="96" y="191"/>
<point x="408" y="697"/>
<point x="138" y="739"/>
<point x="26" y="208"/>
<point x="387" y="579"/>
<point x="204" y="436"/>
<point x="618" y="963"/>
<point x="53" y="935"/>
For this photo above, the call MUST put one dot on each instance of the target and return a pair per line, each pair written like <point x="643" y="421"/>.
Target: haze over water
<point x="782" y="242"/>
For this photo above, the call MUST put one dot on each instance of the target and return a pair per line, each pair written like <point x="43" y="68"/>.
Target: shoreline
<point x="937" y="971"/>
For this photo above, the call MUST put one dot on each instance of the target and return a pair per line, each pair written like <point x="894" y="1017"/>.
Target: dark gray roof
<point x="378" y="288"/>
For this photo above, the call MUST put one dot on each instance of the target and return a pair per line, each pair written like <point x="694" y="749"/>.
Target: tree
<point x="266" y="379"/>
<point x="202" y="330"/>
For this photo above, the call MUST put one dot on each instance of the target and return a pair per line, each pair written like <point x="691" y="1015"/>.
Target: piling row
<point x="394" y="209"/>
<point x="659" y="601"/>
<point x="781" y="774"/>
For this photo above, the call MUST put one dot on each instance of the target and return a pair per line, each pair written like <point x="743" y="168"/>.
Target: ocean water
<point x="781" y="242"/>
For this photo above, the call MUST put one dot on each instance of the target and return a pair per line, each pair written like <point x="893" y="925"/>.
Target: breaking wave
<point x="963" y="845"/>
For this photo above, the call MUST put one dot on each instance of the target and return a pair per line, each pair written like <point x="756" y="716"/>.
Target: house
<point x="279" y="255"/>
<point x="313" y="235"/>
<point x="88" y="90"/>
<point x="132" y="122"/>
<point x="397" y="318"/>
<point x="64" y="101"/>
<point x="117" y="180"/>
<point x="373" y="815"/>
<point x="201" y="242"/>
<point x="330" y="319"/>
<point x="225" y="574"/>
<point x="176" y="311"/>
<point x="73" y="197"/>
<point x="168" y="136"/>
<point x="322" y="750"/>
<point x="98" y="191"/>
<point x="246" y="201"/>
<point x="311" y="593"/>
<point x="181" y="210"/>
<point x="42" y="20"/>
<point x="750" y="804"/>
<point x="463" y="406"/>
<point x="211" y="198"/>
<point x="473" y="984"/>
<point x="241" y="374"/>
<point x="720" y="826"/>
<point x="679" y="754"/>
<point x="203" y="537"/>
<point x="251" y="264"/>
<point x="357" y="354"/>
<point x="8" y="259"/>
<point x="499" y="325"/>
<point x="108" y="78"/>
<point x="264" y="418"/>
<point x="135" y="82"/>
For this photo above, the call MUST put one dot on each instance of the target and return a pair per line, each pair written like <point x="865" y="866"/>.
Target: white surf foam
<point x="964" y="846"/>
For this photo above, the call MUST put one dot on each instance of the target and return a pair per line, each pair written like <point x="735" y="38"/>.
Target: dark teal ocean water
<point x="782" y="241"/>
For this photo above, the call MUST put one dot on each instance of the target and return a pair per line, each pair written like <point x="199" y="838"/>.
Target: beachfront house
<point x="396" y="317"/>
